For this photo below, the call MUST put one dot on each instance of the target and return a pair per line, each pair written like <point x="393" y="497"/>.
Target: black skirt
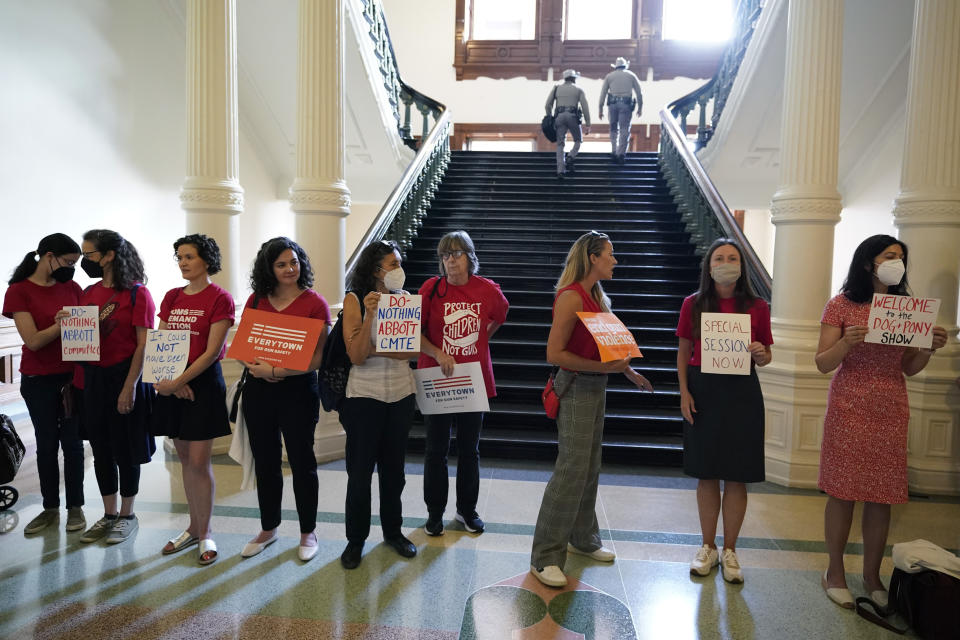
<point x="129" y="434"/>
<point x="725" y="442"/>
<point x="203" y="418"/>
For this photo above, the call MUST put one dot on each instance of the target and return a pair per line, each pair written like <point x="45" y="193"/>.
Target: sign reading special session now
<point x="902" y="320"/>
<point x="280" y="339"/>
<point x="725" y="343"/>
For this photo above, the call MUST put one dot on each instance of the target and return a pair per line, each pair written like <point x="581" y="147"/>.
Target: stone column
<point x="927" y="214"/>
<point x="805" y="209"/>
<point x="211" y="194"/>
<point x="319" y="195"/>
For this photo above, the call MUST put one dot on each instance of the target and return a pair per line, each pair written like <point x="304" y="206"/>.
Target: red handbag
<point x="550" y="397"/>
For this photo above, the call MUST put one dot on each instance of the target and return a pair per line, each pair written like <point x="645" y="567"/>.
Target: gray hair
<point x="458" y="240"/>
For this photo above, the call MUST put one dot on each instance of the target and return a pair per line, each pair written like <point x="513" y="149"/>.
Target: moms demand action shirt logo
<point x="185" y="319"/>
<point x="461" y="328"/>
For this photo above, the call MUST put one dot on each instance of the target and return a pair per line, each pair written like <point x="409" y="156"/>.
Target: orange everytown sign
<point x="280" y="339"/>
<point x="613" y="339"/>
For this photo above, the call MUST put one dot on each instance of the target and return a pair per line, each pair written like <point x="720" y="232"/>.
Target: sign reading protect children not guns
<point x="80" y="335"/>
<point x="277" y="338"/>
<point x="398" y="323"/>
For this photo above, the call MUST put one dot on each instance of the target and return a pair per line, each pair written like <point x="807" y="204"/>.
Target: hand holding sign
<point x="398" y="323"/>
<point x="80" y="334"/>
<point x="902" y="320"/>
<point x="725" y="343"/>
<point x="165" y="355"/>
<point x="613" y="339"/>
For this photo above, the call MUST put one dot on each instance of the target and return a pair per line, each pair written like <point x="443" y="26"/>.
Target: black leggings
<point x="113" y="474"/>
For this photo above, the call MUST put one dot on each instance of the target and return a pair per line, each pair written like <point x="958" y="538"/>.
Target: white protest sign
<point x="398" y="323"/>
<point x="463" y="391"/>
<point x="80" y="334"/>
<point x="166" y="353"/>
<point x="902" y="320"/>
<point x="725" y="343"/>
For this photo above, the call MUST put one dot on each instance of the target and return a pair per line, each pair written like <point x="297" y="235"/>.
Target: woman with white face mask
<point x="377" y="407"/>
<point x="723" y="432"/>
<point x="863" y="456"/>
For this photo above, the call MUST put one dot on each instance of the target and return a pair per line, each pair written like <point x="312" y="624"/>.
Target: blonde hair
<point x="577" y="265"/>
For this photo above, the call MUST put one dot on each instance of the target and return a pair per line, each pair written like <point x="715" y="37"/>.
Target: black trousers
<point x="113" y="473"/>
<point x="435" y="474"/>
<point x="289" y="408"/>
<point x="376" y="437"/>
<point x="42" y="396"/>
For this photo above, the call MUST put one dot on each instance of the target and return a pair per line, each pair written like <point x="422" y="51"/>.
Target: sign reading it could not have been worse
<point x="725" y="343"/>
<point x="902" y="320"/>
<point x="165" y="354"/>
<point x="462" y="391"/>
<point x="277" y="338"/>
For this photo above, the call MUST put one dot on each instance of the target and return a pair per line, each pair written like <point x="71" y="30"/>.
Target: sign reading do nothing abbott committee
<point x="398" y="323"/>
<point x="613" y="339"/>
<point x="80" y="335"/>
<point x="725" y="343"/>
<point x="902" y="320"/>
<point x="276" y="338"/>
<point x="165" y="354"/>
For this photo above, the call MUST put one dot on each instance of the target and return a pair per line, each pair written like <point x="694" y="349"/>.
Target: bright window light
<point x="504" y="19"/>
<point x="697" y="20"/>
<point x="599" y="19"/>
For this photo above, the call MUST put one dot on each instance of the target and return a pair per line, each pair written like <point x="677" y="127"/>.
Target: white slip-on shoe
<point x="602" y="554"/>
<point x="705" y="560"/>
<point x="881" y="597"/>
<point x="839" y="595"/>
<point x="552" y="576"/>
<point x="306" y="552"/>
<point x="253" y="548"/>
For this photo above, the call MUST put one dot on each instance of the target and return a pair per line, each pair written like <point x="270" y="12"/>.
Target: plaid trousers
<point x="567" y="513"/>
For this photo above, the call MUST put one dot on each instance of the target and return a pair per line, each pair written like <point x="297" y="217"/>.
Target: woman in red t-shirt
<point x="567" y="521"/>
<point x="116" y="402"/>
<point x="191" y="408"/>
<point x="460" y="312"/>
<point x="723" y="432"/>
<point x="41" y="286"/>
<point x="279" y="401"/>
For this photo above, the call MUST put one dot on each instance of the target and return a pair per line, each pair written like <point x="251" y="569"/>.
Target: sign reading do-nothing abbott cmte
<point x="398" y="323"/>
<point x="725" y="343"/>
<point x="80" y="335"/>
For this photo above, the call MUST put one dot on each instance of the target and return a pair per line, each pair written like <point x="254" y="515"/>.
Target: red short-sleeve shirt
<point x="197" y="312"/>
<point x="42" y="303"/>
<point x="118" y="331"/>
<point x="455" y="318"/>
<point x="309" y="304"/>
<point x="759" y="323"/>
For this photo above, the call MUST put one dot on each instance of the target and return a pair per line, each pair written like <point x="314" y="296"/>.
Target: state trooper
<point x="571" y="106"/>
<point x="618" y="88"/>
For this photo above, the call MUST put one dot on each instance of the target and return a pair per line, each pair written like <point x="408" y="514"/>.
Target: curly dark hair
<point x="361" y="278"/>
<point x="262" y="279"/>
<point x="858" y="286"/>
<point x="127" y="265"/>
<point x="59" y="244"/>
<point x="206" y="247"/>
<point x="707" y="300"/>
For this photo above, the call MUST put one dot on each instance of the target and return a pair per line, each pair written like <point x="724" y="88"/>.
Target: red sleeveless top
<point x="581" y="342"/>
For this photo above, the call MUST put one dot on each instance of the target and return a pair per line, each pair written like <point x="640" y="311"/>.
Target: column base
<point x="330" y="441"/>
<point x="933" y="445"/>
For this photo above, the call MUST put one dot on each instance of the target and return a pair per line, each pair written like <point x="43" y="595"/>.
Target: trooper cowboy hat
<point x="570" y="73"/>
<point x="621" y="62"/>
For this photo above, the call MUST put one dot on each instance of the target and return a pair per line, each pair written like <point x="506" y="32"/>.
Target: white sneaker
<point x="602" y="554"/>
<point x="730" y="566"/>
<point x="551" y="576"/>
<point x="706" y="559"/>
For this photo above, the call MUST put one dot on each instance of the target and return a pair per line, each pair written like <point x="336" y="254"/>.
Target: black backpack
<point x="11" y="450"/>
<point x="335" y="366"/>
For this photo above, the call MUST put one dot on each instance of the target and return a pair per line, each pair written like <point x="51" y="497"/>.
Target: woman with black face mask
<point x="41" y="286"/>
<point x="117" y="403"/>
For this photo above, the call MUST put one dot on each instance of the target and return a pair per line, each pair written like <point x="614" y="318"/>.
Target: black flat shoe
<point x="350" y="558"/>
<point x="401" y="545"/>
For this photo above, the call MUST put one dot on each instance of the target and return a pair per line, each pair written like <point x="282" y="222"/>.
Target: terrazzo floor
<point x="459" y="585"/>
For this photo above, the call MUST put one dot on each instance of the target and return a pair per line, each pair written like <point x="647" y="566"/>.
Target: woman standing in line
<point x="863" y="457"/>
<point x="567" y="521"/>
<point x="116" y="403"/>
<point x="41" y="286"/>
<point x="461" y="311"/>
<point x="723" y="432"/>
<point x="378" y="405"/>
<point x="191" y="409"/>
<point x="279" y="401"/>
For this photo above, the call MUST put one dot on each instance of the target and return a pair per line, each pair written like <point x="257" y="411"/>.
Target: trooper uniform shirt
<point x="570" y="100"/>
<point x="617" y="92"/>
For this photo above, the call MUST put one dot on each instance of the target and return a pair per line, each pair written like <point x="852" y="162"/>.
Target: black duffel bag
<point x="11" y="450"/>
<point x="549" y="128"/>
<point x="927" y="602"/>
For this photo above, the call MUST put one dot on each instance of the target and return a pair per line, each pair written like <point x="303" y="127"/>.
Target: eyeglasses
<point x="446" y="255"/>
<point x="87" y="254"/>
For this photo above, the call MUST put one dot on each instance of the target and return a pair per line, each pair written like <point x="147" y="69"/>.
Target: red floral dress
<point x="864" y="452"/>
